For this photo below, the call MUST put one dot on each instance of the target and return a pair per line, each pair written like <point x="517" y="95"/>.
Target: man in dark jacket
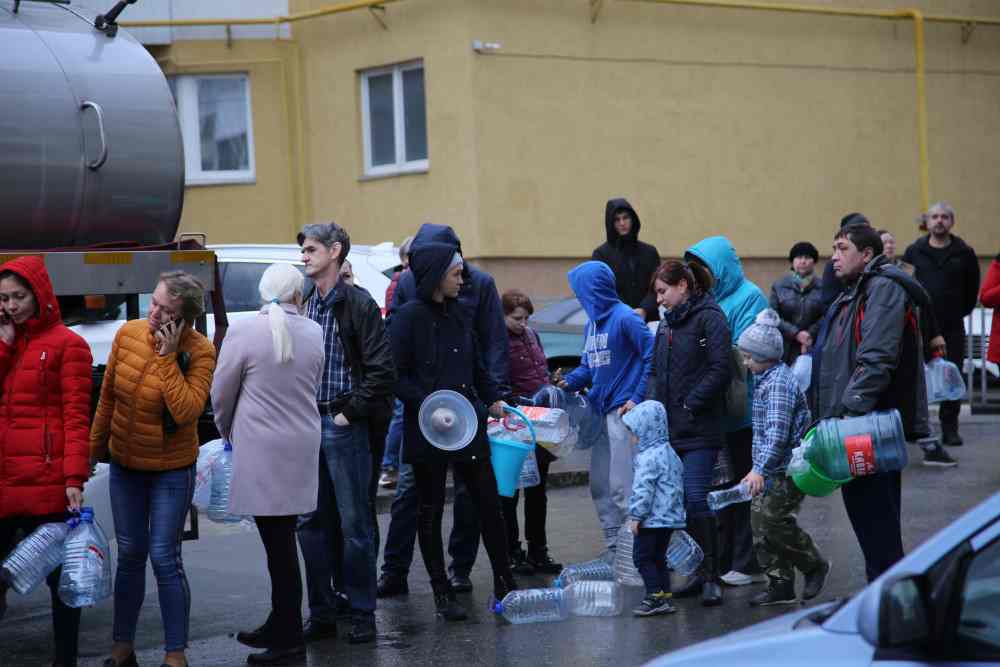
<point x="948" y="269"/>
<point x="632" y="261"/>
<point x="872" y="359"/>
<point x="481" y="302"/>
<point x="832" y="287"/>
<point x="338" y="539"/>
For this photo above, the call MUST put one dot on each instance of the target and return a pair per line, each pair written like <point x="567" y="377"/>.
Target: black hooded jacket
<point x="479" y="299"/>
<point x="632" y="261"/>
<point x="434" y="348"/>
<point x="951" y="277"/>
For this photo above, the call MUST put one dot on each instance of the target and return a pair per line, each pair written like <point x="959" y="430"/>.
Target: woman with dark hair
<point x="529" y="372"/>
<point x="797" y="297"/>
<point x="155" y="388"/>
<point x="44" y="418"/>
<point x="690" y="376"/>
<point x="434" y="348"/>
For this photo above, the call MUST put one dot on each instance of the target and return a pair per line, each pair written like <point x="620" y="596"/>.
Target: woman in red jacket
<point x="989" y="295"/>
<point x="44" y="423"/>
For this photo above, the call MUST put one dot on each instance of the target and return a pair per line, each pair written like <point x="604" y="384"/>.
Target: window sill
<point x="199" y="181"/>
<point x="393" y="174"/>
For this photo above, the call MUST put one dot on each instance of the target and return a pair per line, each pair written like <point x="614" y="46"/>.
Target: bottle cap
<point x="227" y="446"/>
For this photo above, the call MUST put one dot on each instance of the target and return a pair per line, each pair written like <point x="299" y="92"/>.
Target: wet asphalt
<point x="230" y="590"/>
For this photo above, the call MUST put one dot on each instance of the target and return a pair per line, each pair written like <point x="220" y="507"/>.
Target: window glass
<point x="240" y="281"/>
<point x="415" y="114"/>
<point x="383" y="131"/>
<point x="222" y="120"/>
<point x="978" y="633"/>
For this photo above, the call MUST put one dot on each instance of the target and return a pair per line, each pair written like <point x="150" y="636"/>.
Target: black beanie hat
<point x="803" y="249"/>
<point x="854" y="219"/>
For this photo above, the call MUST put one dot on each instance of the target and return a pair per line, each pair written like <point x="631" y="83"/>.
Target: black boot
<point x="708" y="538"/>
<point x="262" y="637"/>
<point x="445" y="603"/>
<point x="539" y="558"/>
<point x="503" y="585"/>
<point x="950" y="436"/>
<point x="519" y="562"/>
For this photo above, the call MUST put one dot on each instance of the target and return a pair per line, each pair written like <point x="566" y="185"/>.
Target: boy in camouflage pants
<point x="780" y="417"/>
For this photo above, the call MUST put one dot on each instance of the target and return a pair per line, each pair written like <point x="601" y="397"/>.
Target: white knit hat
<point x="762" y="339"/>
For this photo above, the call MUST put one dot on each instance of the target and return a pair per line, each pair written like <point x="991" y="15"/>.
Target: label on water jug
<point x="860" y="454"/>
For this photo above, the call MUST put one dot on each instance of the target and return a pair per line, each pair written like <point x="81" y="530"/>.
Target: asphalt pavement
<point x="230" y="589"/>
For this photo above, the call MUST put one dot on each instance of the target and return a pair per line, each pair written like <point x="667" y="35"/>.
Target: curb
<point x="557" y="480"/>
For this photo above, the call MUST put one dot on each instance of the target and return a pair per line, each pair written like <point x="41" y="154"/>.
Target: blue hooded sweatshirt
<point x="618" y="349"/>
<point x="657" y="499"/>
<point x="739" y="299"/>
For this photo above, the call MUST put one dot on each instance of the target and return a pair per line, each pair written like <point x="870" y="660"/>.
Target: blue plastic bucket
<point x="508" y="457"/>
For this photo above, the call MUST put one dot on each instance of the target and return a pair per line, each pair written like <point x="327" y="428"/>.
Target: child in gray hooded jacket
<point x="656" y="507"/>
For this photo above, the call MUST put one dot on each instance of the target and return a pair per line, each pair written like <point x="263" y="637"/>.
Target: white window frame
<point x="186" y="92"/>
<point x="401" y="166"/>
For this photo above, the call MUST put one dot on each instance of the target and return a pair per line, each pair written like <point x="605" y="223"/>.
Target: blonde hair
<point x="189" y="290"/>
<point x="279" y="284"/>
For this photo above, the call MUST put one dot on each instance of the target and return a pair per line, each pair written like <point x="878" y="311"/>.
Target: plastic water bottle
<point x="944" y="381"/>
<point x="530" y="476"/>
<point x="735" y="494"/>
<point x="683" y="553"/>
<point x="533" y="605"/>
<point x="798" y="465"/>
<point x="625" y="571"/>
<point x="222" y="478"/>
<point x="86" y="570"/>
<point x="35" y="557"/>
<point x="598" y="569"/>
<point x="857" y="446"/>
<point x="595" y="598"/>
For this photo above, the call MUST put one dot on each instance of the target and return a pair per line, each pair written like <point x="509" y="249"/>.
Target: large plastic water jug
<point x="842" y="449"/>
<point x="35" y="557"/>
<point x="944" y="381"/>
<point x="625" y="570"/>
<point x="598" y="569"/>
<point x="86" y="569"/>
<point x="683" y="553"/>
<point x="595" y="598"/>
<point x="532" y="605"/>
<point x="222" y="481"/>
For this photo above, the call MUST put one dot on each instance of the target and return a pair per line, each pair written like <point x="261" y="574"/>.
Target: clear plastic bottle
<point x="798" y="465"/>
<point x="735" y="494"/>
<point x="595" y="598"/>
<point x="222" y="477"/>
<point x="944" y="381"/>
<point x="530" y="476"/>
<point x="683" y="553"/>
<point x="532" y="605"/>
<point x="598" y="569"/>
<point x="86" y="571"/>
<point x="625" y="572"/>
<point x="35" y="557"/>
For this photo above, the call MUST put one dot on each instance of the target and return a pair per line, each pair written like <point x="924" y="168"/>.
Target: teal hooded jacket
<point x="739" y="298"/>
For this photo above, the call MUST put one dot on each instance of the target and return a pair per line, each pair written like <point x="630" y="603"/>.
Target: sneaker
<point x="815" y="581"/>
<point x="776" y="593"/>
<point x="654" y="605"/>
<point x="389" y="478"/>
<point x="734" y="578"/>
<point x="937" y="456"/>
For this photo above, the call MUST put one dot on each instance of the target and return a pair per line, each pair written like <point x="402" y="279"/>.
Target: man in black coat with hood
<point x="480" y="302"/>
<point x="632" y="261"/>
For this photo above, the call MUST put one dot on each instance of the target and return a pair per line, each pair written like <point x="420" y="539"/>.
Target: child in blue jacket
<point x="656" y="507"/>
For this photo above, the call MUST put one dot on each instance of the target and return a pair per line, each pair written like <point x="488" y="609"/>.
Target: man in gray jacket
<point x="871" y="358"/>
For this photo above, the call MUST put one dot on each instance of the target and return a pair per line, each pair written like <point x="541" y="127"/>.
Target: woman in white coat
<point x="264" y="398"/>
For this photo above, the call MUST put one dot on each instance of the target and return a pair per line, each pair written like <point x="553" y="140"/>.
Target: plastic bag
<point x="586" y="426"/>
<point x="203" y="472"/>
<point x="529" y="472"/>
<point x="802" y="370"/>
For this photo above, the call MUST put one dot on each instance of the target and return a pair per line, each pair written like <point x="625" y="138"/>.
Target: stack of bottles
<point x="836" y="451"/>
<point x="582" y="598"/>
<point x="221" y="481"/>
<point x="626" y="573"/>
<point x="86" y="567"/>
<point x="944" y="381"/>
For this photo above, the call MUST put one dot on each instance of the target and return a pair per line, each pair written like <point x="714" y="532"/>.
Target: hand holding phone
<point x="168" y="337"/>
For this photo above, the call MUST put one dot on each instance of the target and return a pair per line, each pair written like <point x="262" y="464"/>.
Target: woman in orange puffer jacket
<point x="155" y="388"/>
<point x="44" y="419"/>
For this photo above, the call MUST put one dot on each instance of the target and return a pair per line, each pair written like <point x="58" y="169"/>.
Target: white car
<point x="241" y="267"/>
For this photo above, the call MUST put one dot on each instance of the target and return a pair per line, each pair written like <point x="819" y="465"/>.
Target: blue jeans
<point x="338" y="539"/>
<point x="463" y="546"/>
<point x="149" y="510"/>
<point x="394" y="441"/>
<point x="698" y="465"/>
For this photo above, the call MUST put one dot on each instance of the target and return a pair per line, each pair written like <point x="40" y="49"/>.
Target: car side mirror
<point x="894" y="614"/>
